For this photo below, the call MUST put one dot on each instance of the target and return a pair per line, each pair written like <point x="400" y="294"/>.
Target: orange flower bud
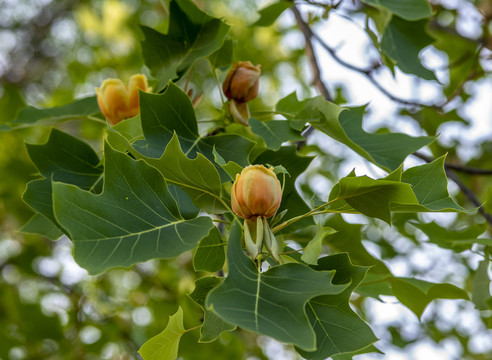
<point x="242" y="82"/>
<point x="118" y="101"/>
<point x="256" y="192"/>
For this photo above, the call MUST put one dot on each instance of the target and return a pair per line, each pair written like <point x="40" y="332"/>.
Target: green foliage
<point x="270" y="13"/>
<point x="402" y="41"/>
<point x="272" y="301"/>
<point x="164" y="346"/>
<point x="31" y="116"/>
<point x="192" y="34"/>
<point x="407" y="9"/>
<point x="152" y="194"/>
<point x="135" y="218"/>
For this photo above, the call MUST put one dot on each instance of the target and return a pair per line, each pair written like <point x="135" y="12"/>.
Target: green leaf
<point x="407" y="9"/>
<point x="32" y="116"/>
<point x="430" y="185"/>
<point x="348" y="238"/>
<point x="402" y="41"/>
<point x="192" y="34"/>
<point x="40" y="224"/>
<point x="164" y="346"/>
<point x="213" y="325"/>
<point x="274" y="133"/>
<point x="164" y="115"/>
<point x="269" y="14"/>
<point x="313" y="249"/>
<point x="387" y="151"/>
<point x="417" y="294"/>
<point x="350" y="355"/>
<point x="457" y="240"/>
<point x="338" y="328"/>
<point x="222" y="58"/>
<point x="231" y="168"/>
<point x="481" y="286"/>
<point x="131" y="129"/>
<point x="363" y="193"/>
<point x="210" y="253"/>
<point x="291" y="200"/>
<point x="62" y="158"/>
<point x="135" y="218"/>
<point x="271" y="303"/>
<point x="462" y="55"/>
<point x="11" y="102"/>
<point x="198" y="177"/>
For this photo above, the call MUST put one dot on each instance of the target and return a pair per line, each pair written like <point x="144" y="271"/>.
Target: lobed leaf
<point x="210" y="253"/>
<point x="164" y="346"/>
<point x="213" y="325"/>
<point x="135" y="218"/>
<point x="62" y="158"/>
<point x="192" y="34"/>
<point x="171" y="113"/>
<point x="270" y="13"/>
<point x="338" y="328"/>
<point x="31" y="116"/>
<point x="402" y="41"/>
<point x="270" y="303"/>
<point x="388" y="151"/>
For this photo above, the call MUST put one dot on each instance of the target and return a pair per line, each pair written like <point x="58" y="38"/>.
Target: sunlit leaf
<point x="387" y="151"/>
<point x="164" y="346"/>
<point x="313" y="248"/>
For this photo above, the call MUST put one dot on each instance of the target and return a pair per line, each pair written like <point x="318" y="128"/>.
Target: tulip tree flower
<point x="255" y="196"/>
<point x="118" y="101"/>
<point x="240" y="86"/>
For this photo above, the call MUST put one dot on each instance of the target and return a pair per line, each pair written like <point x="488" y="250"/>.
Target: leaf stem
<point x="193" y="328"/>
<point x="96" y="119"/>
<point x="300" y="217"/>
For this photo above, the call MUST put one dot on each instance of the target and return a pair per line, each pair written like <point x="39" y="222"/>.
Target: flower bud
<point x="118" y="101"/>
<point x="256" y="192"/>
<point x="242" y="82"/>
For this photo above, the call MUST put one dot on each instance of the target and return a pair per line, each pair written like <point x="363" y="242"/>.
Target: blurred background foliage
<point x="52" y="52"/>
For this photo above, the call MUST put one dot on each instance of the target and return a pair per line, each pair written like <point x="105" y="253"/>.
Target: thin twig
<point x="459" y="168"/>
<point x="306" y="31"/>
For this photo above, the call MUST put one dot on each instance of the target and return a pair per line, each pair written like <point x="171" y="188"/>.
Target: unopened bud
<point x="242" y="82"/>
<point x="256" y="192"/>
<point x="118" y="101"/>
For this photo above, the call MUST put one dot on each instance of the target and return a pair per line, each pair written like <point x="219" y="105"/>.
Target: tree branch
<point x="306" y="31"/>
<point x="459" y="168"/>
